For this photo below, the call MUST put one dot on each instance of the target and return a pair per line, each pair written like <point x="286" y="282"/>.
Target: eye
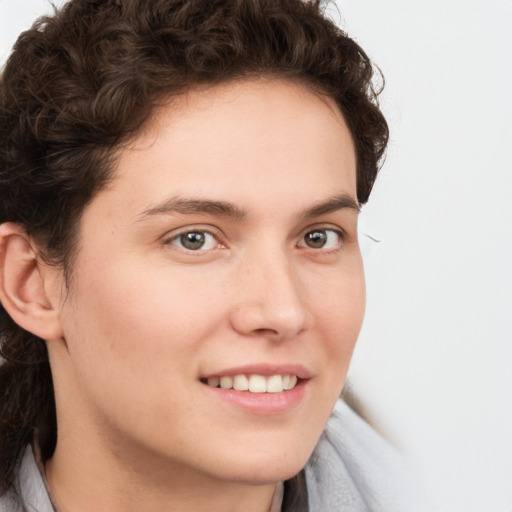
<point x="321" y="239"/>
<point x="195" y="241"/>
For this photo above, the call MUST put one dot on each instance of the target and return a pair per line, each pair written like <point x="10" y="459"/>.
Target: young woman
<point x="181" y="281"/>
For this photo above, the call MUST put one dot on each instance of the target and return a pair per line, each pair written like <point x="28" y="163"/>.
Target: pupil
<point x="316" y="239"/>
<point x="192" y="240"/>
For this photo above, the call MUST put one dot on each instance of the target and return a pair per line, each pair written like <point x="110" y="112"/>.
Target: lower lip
<point x="261" y="403"/>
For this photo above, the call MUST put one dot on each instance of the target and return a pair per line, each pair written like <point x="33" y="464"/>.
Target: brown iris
<point x="316" y="239"/>
<point x="192" y="240"/>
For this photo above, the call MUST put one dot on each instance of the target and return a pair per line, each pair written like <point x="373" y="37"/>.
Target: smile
<point x="254" y="383"/>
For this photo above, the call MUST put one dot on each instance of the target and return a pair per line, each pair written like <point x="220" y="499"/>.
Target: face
<point x="224" y="253"/>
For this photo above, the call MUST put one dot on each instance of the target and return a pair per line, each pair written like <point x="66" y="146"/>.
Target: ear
<point x="28" y="286"/>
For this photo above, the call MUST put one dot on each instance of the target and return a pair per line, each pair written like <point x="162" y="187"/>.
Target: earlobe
<point x="24" y="287"/>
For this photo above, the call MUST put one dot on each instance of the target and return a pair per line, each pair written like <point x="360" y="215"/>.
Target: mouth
<point x="261" y="389"/>
<point x="254" y="383"/>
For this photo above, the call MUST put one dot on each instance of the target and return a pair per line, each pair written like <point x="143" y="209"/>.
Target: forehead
<point x="271" y="138"/>
<point x="260" y="97"/>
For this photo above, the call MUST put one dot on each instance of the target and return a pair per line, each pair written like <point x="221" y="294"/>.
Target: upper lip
<point x="264" y="369"/>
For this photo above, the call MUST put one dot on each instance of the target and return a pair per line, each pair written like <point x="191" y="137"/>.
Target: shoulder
<point x="352" y="468"/>
<point x="9" y="502"/>
<point x="29" y="492"/>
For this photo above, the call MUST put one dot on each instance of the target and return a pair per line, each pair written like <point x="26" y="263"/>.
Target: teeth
<point x="275" y="384"/>
<point x="255" y="383"/>
<point x="240" y="383"/>
<point x="226" y="382"/>
<point x="291" y="383"/>
<point x="213" y="382"/>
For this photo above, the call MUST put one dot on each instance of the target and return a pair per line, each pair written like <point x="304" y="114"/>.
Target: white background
<point x="433" y="365"/>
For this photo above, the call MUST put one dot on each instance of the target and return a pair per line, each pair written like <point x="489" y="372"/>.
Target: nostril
<point x="266" y="332"/>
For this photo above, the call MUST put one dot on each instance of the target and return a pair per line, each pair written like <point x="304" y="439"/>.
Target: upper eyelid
<point x="167" y="242"/>
<point x="175" y="233"/>
<point x="338" y="231"/>
<point x="325" y="227"/>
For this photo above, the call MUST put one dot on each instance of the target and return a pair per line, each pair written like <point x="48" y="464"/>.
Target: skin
<point x="145" y="318"/>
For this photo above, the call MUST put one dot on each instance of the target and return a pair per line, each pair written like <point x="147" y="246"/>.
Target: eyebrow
<point x="184" y="206"/>
<point x="191" y="206"/>
<point x="333" y="204"/>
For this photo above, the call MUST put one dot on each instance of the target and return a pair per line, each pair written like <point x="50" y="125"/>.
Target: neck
<point x="78" y="484"/>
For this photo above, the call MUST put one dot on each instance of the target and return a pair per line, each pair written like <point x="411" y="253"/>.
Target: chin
<point x="272" y="470"/>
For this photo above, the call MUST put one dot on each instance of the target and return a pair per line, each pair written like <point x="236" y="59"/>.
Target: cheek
<point x="143" y="323"/>
<point x="339" y="314"/>
<point x="133" y="341"/>
<point x="126" y="320"/>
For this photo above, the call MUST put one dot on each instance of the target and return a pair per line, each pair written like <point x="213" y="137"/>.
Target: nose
<point x="270" y="301"/>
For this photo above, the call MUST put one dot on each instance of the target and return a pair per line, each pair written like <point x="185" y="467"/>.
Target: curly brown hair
<point x="83" y="81"/>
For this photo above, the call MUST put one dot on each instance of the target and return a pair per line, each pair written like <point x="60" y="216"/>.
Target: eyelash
<point x="323" y="230"/>
<point x="206" y="234"/>
<point x="178" y="237"/>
